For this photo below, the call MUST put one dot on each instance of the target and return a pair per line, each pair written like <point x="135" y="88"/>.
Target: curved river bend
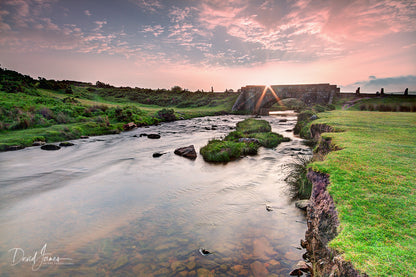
<point x="106" y="207"/>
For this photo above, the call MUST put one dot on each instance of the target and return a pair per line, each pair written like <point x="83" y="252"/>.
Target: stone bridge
<point x="259" y="99"/>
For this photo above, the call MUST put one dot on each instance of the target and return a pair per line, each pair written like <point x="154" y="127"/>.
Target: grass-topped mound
<point x="252" y="125"/>
<point x="250" y="135"/>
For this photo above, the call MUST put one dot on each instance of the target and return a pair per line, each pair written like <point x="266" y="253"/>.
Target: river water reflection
<point x="106" y="207"/>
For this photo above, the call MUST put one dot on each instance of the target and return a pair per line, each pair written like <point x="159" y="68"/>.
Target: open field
<point x="373" y="182"/>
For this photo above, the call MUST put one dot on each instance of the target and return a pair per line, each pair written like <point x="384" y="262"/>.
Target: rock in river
<point x="153" y="136"/>
<point x="50" y="147"/>
<point x="187" y="152"/>
<point x="302" y="204"/>
<point x="158" y="154"/>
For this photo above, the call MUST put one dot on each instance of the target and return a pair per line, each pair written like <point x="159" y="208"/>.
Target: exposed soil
<point x="322" y="220"/>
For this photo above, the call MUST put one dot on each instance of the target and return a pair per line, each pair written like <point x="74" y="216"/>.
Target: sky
<point x="199" y="44"/>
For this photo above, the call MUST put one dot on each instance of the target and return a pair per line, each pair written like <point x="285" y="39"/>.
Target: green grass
<point x="222" y="151"/>
<point x="230" y="148"/>
<point x="252" y="125"/>
<point x="373" y="183"/>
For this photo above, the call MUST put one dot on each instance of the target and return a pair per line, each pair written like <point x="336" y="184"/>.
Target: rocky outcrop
<point x="187" y="152"/>
<point x="322" y="219"/>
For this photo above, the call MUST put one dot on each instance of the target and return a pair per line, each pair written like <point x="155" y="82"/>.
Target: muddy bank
<point x="322" y="219"/>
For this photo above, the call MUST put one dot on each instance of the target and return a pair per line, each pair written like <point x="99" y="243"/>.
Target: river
<point x="106" y="207"/>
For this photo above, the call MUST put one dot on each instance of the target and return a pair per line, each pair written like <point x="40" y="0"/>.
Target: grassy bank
<point x="250" y="134"/>
<point x="373" y="182"/>
<point x="48" y="110"/>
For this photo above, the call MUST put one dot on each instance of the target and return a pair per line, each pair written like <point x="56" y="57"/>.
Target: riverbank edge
<point x="322" y="217"/>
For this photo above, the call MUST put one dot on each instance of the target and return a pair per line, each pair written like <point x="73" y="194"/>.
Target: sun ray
<point x="263" y="94"/>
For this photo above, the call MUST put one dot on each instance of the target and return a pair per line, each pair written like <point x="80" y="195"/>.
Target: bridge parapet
<point x="256" y="98"/>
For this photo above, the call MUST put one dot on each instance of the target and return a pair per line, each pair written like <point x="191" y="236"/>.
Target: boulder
<point x="153" y="136"/>
<point x="50" y="147"/>
<point x="129" y="126"/>
<point x="187" y="152"/>
<point x="302" y="204"/>
<point x="66" y="144"/>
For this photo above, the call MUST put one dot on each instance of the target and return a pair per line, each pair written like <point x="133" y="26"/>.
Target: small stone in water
<point x="204" y="252"/>
<point x="269" y="208"/>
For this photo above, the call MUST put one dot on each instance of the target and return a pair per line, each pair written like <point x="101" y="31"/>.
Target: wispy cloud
<point x="87" y="13"/>
<point x="154" y="30"/>
<point x="148" y="5"/>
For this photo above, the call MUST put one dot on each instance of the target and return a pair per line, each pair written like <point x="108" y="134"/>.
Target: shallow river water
<point x="106" y="207"/>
